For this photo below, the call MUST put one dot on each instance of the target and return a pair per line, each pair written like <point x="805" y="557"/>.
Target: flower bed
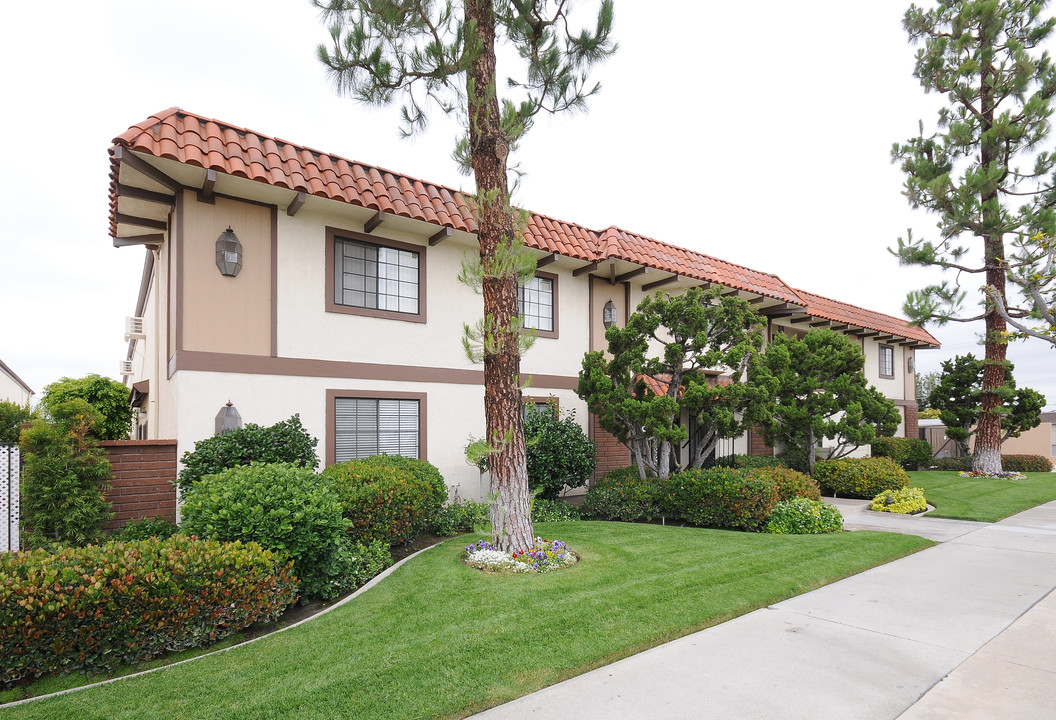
<point x="992" y="476"/>
<point x="543" y="556"/>
<point x="906" y="501"/>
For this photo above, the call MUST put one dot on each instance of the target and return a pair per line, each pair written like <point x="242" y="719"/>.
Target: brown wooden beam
<point x="839" y="327"/>
<point x="125" y="157"/>
<point x="624" y="277"/>
<point x="867" y="334"/>
<point x="658" y="283"/>
<point x="121" y="218"/>
<point x="728" y="293"/>
<point x="127" y="191"/>
<point x="440" y="235"/>
<point x="756" y="301"/>
<point x="782" y="310"/>
<point x="297" y="203"/>
<point x="821" y="323"/>
<point x="546" y="260"/>
<point x="795" y="321"/>
<point x="151" y="239"/>
<point x="371" y="225"/>
<point x="584" y="269"/>
<point x="209" y="184"/>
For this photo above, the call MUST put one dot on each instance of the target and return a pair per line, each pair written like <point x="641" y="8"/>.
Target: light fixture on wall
<point x="228" y="253"/>
<point x="910" y="365"/>
<point x="608" y="315"/>
<point x="227" y="419"/>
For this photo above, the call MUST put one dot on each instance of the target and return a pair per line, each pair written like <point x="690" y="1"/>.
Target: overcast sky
<point x="759" y="133"/>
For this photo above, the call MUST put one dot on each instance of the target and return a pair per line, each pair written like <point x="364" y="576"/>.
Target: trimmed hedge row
<point x="717" y="497"/>
<point x="800" y="516"/>
<point x="910" y="453"/>
<point x="1009" y="463"/>
<point x="860" y="477"/>
<point x="745" y="462"/>
<point x="93" y="607"/>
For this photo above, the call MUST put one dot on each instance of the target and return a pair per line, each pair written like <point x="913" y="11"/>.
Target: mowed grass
<point x="983" y="499"/>
<point x="439" y="639"/>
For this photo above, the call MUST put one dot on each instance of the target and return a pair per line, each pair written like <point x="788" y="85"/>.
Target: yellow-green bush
<point x="860" y="477"/>
<point x="903" y="501"/>
<point x="93" y="607"/>
<point x="790" y="483"/>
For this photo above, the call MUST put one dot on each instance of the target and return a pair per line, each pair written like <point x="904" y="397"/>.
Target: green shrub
<point x="954" y="464"/>
<point x="544" y="510"/>
<point x="800" y="516"/>
<point x="1025" y="463"/>
<point x="790" y="483"/>
<point x="463" y="516"/>
<point x="860" y="477"/>
<point x="720" y="497"/>
<point x="903" y="501"/>
<point x="383" y="499"/>
<point x="108" y="397"/>
<point x="282" y="507"/>
<point x="12" y="417"/>
<point x="796" y="458"/>
<point x="91" y="608"/>
<point x="745" y="462"/>
<point x="559" y="453"/>
<point x="283" y="442"/>
<point x="623" y="495"/>
<point x="910" y="453"/>
<point x="143" y="528"/>
<point x="65" y="478"/>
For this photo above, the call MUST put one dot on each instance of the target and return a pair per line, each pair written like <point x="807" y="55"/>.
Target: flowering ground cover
<point x="543" y="556"/>
<point x="983" y="499"/>
<point x="439" y="639"/>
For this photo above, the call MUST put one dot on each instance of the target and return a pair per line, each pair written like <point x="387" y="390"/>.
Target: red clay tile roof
<point x="829" y="309"/>
<point x="214" y="145"/>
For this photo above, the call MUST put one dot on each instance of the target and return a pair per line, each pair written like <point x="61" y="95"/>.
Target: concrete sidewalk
<point x="966" y="629"/>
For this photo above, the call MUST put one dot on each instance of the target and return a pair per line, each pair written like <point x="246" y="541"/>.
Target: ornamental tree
<point x="656" y="369"/>
<point x="820" y="392"/>
<point x="958" y="395"/>
<point x="1032" y="268"/>
<point x="444" y="52"/>
<point x="985" y="171"/>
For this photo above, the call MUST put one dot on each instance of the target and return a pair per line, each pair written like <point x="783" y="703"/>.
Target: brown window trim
<point x="540" y="399"/>
<point x="331" y="398"/>
<point x="880" y="362"/>
<point x="332" y="234"/>
<point x="549" y="333"/>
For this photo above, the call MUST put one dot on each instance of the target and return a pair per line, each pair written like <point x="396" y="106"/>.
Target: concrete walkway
<point x="965" y="629"/>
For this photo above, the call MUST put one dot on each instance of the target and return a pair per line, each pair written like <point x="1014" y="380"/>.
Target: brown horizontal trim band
<point x="903" y="403"/>
<point x="308" y="367"/>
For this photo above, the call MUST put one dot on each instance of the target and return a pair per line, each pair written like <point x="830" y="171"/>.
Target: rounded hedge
<point x="282" y="507"/>
<point x="387" y="497"/>
<point x="800" y="516"/>
<point x="790" y="483"/>
<point x="623" y="495"/>
<point x="93" y="607"/>
<point x="721" y="498"/>
<point x="558" y="452"/>
<point x="860" y="477"/>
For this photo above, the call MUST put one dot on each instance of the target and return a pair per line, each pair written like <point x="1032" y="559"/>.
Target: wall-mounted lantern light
<point x="227" y="419"/>
<point x="608" y="315"/>
<point x="228" y="253"/>
<point x="910" y="365"/>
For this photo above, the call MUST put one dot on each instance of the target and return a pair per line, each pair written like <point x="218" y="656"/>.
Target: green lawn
<point x="439" y="639"/>
<point x="981" y="499"/>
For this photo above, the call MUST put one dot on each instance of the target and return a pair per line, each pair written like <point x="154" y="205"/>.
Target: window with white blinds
<point x="368" y="426"/>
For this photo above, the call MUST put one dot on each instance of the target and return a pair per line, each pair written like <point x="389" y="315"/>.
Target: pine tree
<point x="984" y="56"/>
<point x="444" y="52"/>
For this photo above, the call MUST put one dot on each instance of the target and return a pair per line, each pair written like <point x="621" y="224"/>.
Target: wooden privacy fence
<point x="10" y="470"/>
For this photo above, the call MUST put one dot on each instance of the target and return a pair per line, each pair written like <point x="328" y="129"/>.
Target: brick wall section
<point x="612" y="453"/>
<point x="911" y="426"/>
<point x="757" y="445"/>
<point x="144" y="480"/>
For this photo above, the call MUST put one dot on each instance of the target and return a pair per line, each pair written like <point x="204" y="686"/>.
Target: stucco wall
<point x="12" y="391"/>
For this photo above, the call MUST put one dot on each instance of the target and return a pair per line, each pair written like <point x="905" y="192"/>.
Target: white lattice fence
<point x="9" y="474"/>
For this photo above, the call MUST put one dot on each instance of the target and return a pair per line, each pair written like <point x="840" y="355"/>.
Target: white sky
<point x="758" y="133"/>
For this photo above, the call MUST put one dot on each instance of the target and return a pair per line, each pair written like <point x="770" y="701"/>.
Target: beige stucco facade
<point x="12" y="388"/>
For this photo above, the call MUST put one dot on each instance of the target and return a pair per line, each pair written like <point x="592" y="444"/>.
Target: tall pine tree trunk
<point x="987" y="455"/>
<point x="511" y="520"/>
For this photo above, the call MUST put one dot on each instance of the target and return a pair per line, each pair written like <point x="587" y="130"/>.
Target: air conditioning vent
<point x="134" y="329"/>
<point x="126" y="368"/>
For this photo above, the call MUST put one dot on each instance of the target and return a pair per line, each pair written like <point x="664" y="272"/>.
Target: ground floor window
<point x="365" y="426"/>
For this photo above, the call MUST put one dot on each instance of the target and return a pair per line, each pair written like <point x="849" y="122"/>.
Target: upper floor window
<point x="538" y="304"/>
<point x="887" y="361"/>
<point x="382" y="279"/>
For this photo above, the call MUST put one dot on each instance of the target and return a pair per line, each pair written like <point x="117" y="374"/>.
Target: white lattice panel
<point x="9" y="475"/>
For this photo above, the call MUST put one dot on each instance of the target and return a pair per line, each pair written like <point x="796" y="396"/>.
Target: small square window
<point x="887" y="361"/>
<point x="379" y="280"/>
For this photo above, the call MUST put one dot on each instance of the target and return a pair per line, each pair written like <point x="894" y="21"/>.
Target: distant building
<point x="12" y="389"/>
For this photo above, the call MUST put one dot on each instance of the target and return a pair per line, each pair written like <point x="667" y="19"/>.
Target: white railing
<point x="9" y="475"/>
